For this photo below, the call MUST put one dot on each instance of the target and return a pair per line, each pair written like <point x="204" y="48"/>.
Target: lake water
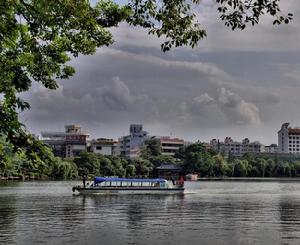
<point x="210" y="212"/>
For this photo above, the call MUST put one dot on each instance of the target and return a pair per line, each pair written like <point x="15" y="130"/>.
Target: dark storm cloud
<point x="224" y="87"/>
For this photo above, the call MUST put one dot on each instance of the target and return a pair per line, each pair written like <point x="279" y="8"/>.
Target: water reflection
<point x="212" y="213"/>
<point x="290" y="220"/>
<point x="8" y="215"/>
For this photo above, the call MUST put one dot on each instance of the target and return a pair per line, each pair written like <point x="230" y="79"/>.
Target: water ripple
<point x="209" y="213"/>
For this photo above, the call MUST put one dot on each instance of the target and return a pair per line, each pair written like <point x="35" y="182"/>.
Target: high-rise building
<point x="129" y="146"/>
<point x="288" y="139"/>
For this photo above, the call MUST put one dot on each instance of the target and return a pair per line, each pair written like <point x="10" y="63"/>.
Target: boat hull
<point x="164" y="191"/>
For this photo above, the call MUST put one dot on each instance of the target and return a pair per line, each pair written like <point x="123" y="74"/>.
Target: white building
<point x="129" y="146"/>
<point x="236" y="148"/>
<point x="288" y="139"/>
<point x="103" y="146"/>
<point x="273" y="148"/>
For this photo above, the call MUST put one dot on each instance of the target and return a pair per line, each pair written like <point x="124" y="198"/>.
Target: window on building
<point x="98" y="147"/>
<point x="289" y="149"/>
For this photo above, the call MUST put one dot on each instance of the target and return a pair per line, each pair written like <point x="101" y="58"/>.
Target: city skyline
<point x="238" y="84"/>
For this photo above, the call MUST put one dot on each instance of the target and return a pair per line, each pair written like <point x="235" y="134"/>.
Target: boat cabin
<point x="128" y="183"/>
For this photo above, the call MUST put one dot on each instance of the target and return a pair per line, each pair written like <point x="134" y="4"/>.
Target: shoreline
<point x="249" y="179"/>
<point x="20" y="179"/>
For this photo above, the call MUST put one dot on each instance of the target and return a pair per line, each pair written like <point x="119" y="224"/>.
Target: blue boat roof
<point x="103" y="179"/>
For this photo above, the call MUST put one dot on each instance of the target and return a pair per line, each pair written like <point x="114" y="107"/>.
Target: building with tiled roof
<point x="288" y="139"/>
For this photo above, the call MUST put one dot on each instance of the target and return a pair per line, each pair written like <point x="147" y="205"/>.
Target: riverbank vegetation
<point x="194" y="158"/>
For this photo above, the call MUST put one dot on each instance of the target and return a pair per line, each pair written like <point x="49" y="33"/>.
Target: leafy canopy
<point x="39" y="37"/>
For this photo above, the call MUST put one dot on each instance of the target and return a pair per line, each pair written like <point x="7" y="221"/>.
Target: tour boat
<point x="105" y="185"/>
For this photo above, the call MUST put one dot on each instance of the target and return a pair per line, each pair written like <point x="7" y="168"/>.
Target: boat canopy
<point x="105" y="179"/>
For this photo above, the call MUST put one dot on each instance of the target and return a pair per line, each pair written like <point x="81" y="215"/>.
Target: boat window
<point x="162" y="185"/>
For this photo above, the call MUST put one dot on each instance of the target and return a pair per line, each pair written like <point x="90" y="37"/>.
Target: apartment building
<point x="66" y="144"/>
<point x="169" y="145"/>
<point x="288" y="139"/>
<point x="235" y="148"/>
<point x="103" y="146"/>
<point x="129" y="145"/>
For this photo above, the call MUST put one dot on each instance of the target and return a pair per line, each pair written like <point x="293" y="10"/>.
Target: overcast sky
<point x="239" y="84"/>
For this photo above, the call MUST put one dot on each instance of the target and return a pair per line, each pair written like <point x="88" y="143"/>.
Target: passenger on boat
<point x="84" y="180"/>
<point x="173" y="181"/>
<point x="181" y="181"/>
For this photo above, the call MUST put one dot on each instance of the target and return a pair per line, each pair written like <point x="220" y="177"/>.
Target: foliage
<point x="17" y="164"/>
<point x="237" y="13"/>
<point x="196" y="159"/>
<point x="39" y="37"/>
<point x="152" y="148"/>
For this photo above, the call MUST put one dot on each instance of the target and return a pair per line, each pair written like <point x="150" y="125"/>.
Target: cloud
<point x="249" y="113"/>
<point x="262" y="37"/>
<point x="227" y="98"/>
<point x="203" y="99"/>
<point x="226" y="108"/>
<point x="228" y="85"/>
<point x="290" y="71"/>
<point x="117" y="95"/>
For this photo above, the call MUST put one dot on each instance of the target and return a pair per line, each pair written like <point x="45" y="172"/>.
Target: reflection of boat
<point x="103" y="185"/>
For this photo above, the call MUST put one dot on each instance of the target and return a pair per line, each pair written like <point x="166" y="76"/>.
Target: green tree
<point x="130" y="170"/>
<point x="142" y="166"/>
<point x="240" y="168"/>
<point x="152" y="148"/>
<point x="270" y="167"/>
<point x="63" y="169"/>
<point x="87" y="163"/>
<point x="161" y="159"/>
<point x="119" y="165"/>
<point x="220" y="165"/>
<point x="39" y="37"/>
<point x="106" y="166"/>
<point x="297" y="168"/>
<point x="198" y="159"/>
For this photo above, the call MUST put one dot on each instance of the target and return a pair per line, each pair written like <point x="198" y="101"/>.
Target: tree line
<point x="16" y="164"/>
<point x="194" y="158"/>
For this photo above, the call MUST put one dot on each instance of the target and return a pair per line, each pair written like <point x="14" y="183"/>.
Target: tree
<point x="240" y="168"/>
<point x="39" y="37"/>
<point x="142" y="166"/>
<point x="130" y="170"/>
<point x="152" y="148"/>
<point x="198" y="159"/>
<point x="220" y="165"/>
<point x="161" y="159"/>
<point x="87" y="163"/>
<point x="63" y="169"/>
